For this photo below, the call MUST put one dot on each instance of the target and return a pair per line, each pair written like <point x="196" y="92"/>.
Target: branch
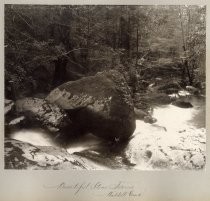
<point x="24" y="34"/>
<point x="23" y="19"/>
<point x="76" y="63"/>
<point x="50" y="58"/>
<point x="66" y="53"/>
<point x="60" y="24"/>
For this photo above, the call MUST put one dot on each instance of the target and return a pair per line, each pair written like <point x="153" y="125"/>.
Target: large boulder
<point x="99" y="104"/>
<point x="39" y="113"/>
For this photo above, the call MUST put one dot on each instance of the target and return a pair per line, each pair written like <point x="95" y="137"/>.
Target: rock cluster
<point x="99" y="104"/>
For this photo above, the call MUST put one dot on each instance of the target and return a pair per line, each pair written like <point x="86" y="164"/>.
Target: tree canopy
<point x="73" y="41"/>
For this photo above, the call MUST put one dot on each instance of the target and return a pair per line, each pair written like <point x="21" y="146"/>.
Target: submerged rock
<point x="149" y="119"/>
<point x="142" y="115"/>
<point x="99" y="104"/>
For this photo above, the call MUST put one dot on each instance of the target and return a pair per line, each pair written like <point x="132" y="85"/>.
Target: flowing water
<point x="177" y="128"/>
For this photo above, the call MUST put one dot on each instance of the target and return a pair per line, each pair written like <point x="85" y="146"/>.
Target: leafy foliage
<point x="74" y="41"/>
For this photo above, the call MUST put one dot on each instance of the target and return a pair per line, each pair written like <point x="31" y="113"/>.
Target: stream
<point x="176" y="141"/>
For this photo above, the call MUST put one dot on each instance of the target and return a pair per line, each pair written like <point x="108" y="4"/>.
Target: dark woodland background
<point x="46" y="46"/>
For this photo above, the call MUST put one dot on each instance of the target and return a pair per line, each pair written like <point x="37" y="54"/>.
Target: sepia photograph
<point x="104" y="87"/>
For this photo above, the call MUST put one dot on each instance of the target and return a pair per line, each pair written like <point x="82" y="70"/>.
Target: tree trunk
<point x="88" y="40"/>
<point x="190" y="79"/>
<point x="60" y="72"/>
<point x="182" y="28"/>
<point x="186" y="63"/>
<point x="128" y="34"/>
<point x="14" y="91"/>
<point x="137" y="44"/>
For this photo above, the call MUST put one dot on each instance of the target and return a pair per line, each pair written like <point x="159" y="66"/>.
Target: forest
<point x="102" y="67"/>
<point x="48" y="45"/>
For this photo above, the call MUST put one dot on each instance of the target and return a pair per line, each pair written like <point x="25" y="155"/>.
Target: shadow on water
<point x="199" y="116"/>
<point x="109" y="154"/>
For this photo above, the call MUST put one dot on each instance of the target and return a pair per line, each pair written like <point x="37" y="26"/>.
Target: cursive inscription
<point x="119" y="189"/>
<point x="123" y="194"/>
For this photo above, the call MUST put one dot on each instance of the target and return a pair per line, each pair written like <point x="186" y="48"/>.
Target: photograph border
<point x="187" y="185"/>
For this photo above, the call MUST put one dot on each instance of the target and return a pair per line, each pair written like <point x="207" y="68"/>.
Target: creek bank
<point x="22" y="155"/>
<point x="164" y="92"/>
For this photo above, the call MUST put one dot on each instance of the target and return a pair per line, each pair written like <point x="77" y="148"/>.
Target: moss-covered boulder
<point x="40" y="113"/>
<point x="99" y="104"/>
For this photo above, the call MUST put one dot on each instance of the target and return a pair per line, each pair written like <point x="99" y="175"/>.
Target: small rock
<point x="140" y="114"/>
<point x="182" y="104"/>
<point x="148" y="153"/>
<point x="149" y="119"/>
<point x="181" y="131"/>
<point x="17" y="120"/>
<point x="158" y="79"/>
<point x="192" y="89"/>
<point x="9" y="106"/>
<point x="198" y="160"/>
<point x="183" y="93"/>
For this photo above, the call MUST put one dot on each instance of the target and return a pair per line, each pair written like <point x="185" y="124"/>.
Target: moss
<point x="14" y="158"/>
